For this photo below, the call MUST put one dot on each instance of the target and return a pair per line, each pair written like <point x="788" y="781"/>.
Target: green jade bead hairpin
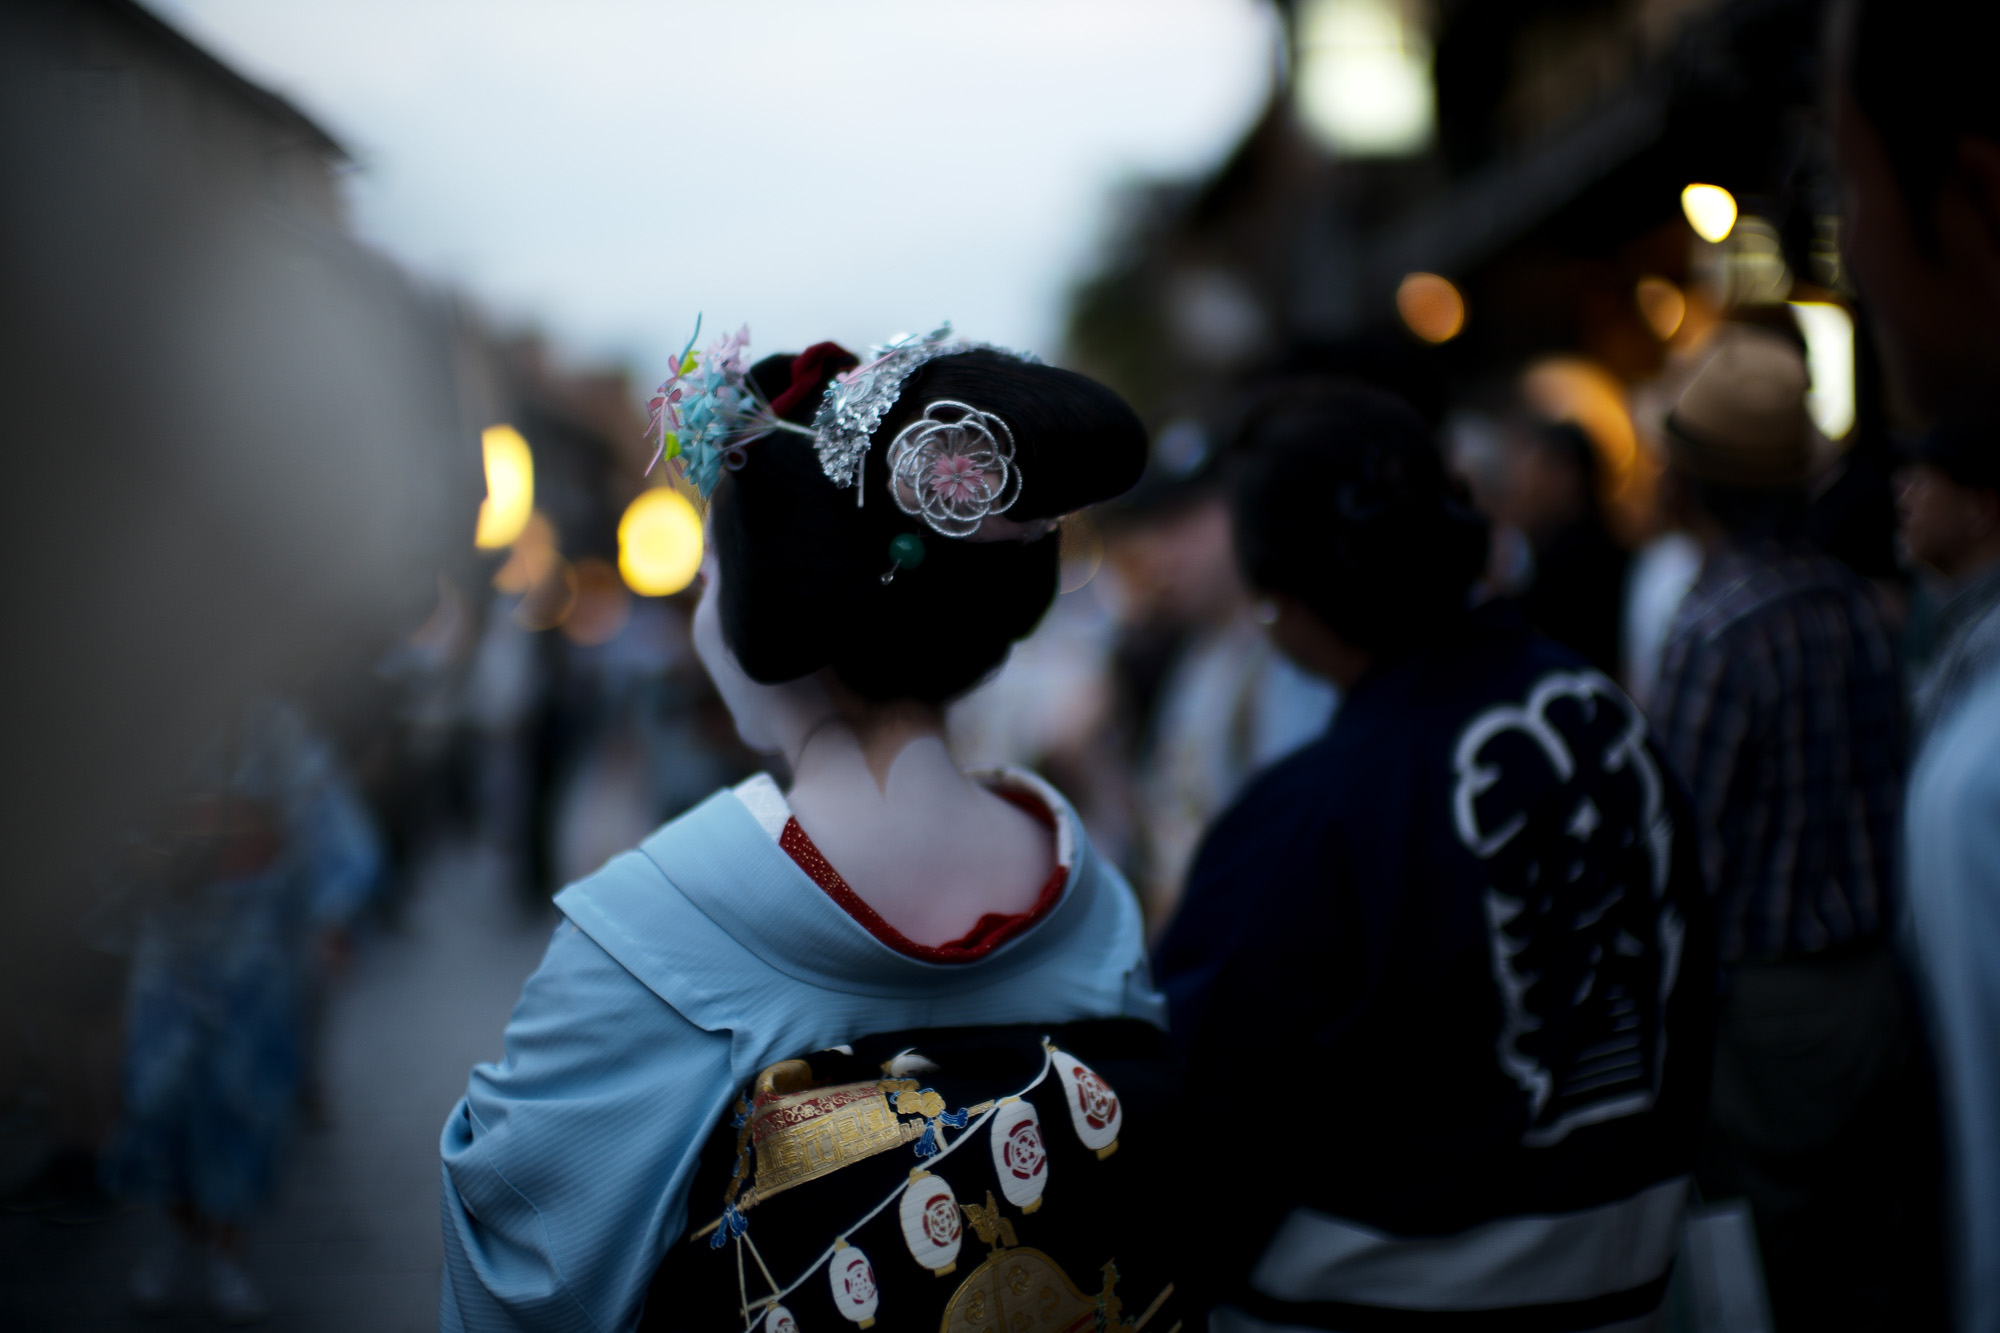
<point x="906" y="551"/>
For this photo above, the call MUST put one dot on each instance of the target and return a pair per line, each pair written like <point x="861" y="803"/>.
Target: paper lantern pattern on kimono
<point x="1094" y="1109"/>
<point x="806" y="1126"/>
<point x="932" y="1225"/>
<point x="1019" y="1157"/>
<point x="852" y="1279"/>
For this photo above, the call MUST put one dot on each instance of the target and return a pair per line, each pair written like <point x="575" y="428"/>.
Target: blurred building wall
<point x="239" y="448"/>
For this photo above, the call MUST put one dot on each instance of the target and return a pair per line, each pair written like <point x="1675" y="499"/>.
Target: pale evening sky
<point x="604" y="169"/>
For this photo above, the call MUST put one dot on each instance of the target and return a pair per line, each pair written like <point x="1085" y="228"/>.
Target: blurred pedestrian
<point x="1662" y="570"/>
<point x="1950" y="505"/>
<point x="262" y="870"/>
<point x="1576" y="590"/>
<point x="1951" y="523"/>
<point x="1779" y="702"/>
<point x="1456" y="950"/>
<point x="1917" y="139"/>
<point x="506" y="702"/>
<point x="1228" y="704"/>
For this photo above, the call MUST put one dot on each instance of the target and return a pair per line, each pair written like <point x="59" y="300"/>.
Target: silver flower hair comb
<point x="953" y="466"/>
<point x="857" y="400"/>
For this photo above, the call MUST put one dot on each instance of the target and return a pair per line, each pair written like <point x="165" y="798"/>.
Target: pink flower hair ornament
<point x="953" y="467"/>
<point x="955" y="478"/>
<point x="703" y="415"/>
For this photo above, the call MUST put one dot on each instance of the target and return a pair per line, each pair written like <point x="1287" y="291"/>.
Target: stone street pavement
<point x="351" y="1242"/>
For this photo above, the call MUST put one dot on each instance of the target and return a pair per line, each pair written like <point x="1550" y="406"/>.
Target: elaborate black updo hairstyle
<point x="1342" y="500"/>
<point x="802" y="564"/>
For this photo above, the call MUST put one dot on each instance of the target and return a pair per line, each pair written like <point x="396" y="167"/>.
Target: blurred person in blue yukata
<point x="692" y="1125"/>
<point x="1456" y="950"/>
<point x="252" y="890"/>
<point x="1916" y="115"/>
<point x="1950" y="504"/>
<point x="1779" y="701"/>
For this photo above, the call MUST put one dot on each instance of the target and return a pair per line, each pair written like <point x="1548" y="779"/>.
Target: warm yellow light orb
<point x="1431" y="306"/>
<point x="1569" y="388"/>
<point x="1662" y="305"/>
<point x="510" y="488"/>
<point x="1711" y="211"/>
<point x="659" y="543"/>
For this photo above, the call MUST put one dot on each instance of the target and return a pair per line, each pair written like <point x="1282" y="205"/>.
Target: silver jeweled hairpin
<point x="856" y="401"/>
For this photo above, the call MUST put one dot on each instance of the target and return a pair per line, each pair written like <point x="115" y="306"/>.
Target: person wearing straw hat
<point x="1779" y="703"/>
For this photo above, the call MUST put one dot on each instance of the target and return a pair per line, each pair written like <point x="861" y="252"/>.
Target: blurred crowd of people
<point x="1822" y="679"/>
<point x="169" y="1051"/>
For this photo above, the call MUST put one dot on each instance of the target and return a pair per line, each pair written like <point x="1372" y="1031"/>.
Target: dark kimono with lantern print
<point x="1469" y="926"/>
<point x="988" y="1180"/>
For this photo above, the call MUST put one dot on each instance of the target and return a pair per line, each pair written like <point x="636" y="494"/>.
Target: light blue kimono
<point x="681" y="970"/>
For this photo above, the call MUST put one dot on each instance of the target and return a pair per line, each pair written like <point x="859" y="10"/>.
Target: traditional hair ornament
<point x="857" y="400"/>
<point x="708" y="410"/>
<point x="953" y="466"/>
<point x="906" y="551"/>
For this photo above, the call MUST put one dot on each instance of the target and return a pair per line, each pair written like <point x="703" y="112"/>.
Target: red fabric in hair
<point x="808" y="369"/>
<point x="987" y="934"/>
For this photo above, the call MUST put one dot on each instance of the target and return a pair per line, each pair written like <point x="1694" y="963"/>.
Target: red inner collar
<point x="989" y="933"/>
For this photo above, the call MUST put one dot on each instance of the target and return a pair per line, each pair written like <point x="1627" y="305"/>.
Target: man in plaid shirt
<point x="1780" y="704"/>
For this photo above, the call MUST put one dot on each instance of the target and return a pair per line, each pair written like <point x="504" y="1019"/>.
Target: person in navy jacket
<point x="1453" y="958"/>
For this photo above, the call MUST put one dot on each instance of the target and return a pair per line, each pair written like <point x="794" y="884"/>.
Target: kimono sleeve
<point x="566" y="1165"/>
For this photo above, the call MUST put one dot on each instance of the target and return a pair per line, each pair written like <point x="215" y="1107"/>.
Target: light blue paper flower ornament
<point x="705" y="413"/>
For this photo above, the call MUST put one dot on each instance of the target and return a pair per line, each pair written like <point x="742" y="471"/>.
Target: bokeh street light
<point x="1829" y="333"/>
<point x="1571" y="388"/>
<point x="510" y="488"/>
<point x="659" y="543"/>
<point x="1431" y="306"/>
<point x="1363" y="86"/>
<point x="1711" y="211"/>
<point x="1662" y="304"/>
